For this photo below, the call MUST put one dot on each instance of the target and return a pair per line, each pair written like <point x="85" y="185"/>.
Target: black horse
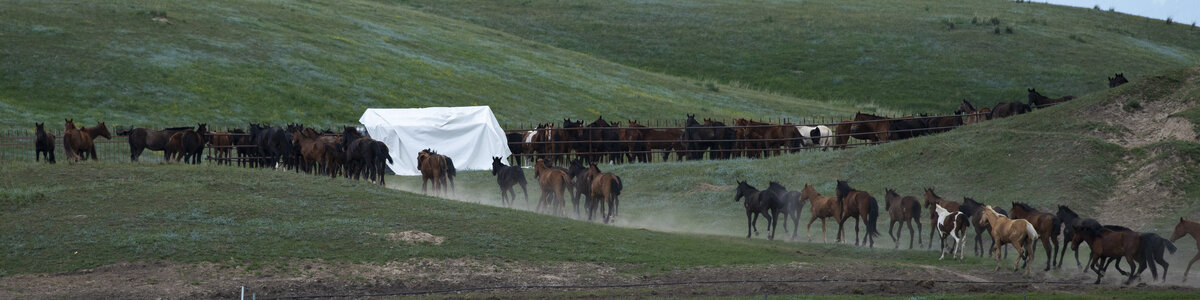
<point x="792" y="206"/>
<point x="1036" y="100"/>
<point x="603" y="141"/>
<point x="758" y="202"/>
<point x="974" y="210"/>
<point x="583" y="184"/>
<point x="507" y="177"/>
<point x="908" y="128"/>
<point x="44" y="145"/>
<point x="1117" y="81"/>
<point x="1071" y="221"/>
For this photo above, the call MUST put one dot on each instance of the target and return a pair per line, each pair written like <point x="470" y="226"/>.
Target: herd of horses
<point x="1023" y="227"/>
<point x="294" y="147"/>
<point x="600" y="191"/>
<point x="602" y="140"/>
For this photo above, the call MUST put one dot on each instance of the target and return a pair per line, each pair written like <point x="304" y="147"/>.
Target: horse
<point x="1048" y="227"/>
<point x="312" y="150"/>
<point x="857" y="204"/>
<point x="1019" y="233"/>
<point x="759" y="139"/>
<point x="633" y="142"/>
<point x="573" y="135"/>
<point x="907" y="127"/>
<point x="665" y="140"/>
<point x="606" y="190"/>
<point x="711" y="136"/>
<point x="602" y="138"/>
<point x="941" y="124"/>
<point x="1070" y="220"/>
<point x="758" y="202"/>
<point x="816" y="136"/>
<point x="222" y="143"/>
<point x="1186" y="227"/>
<point x="1008" y="109"/>
<point x="516" y="145"/>
<point x="541" y="141"/>
<point x="582" y="177"/>
<point x="1108" y="243"/>
<point x="44" y="145"/>
<point x="553" y="184"/>
<point x="871" y="127"/>
<point x="973" y="209"/>
<point x="142" y="138"/>
<point x="792" y="206"/>
<point x="726" y="140"/>
<point x="1117" y="81"/>
<point x="974" y="115"/>
<point x="1036" y="100"/>
<point x="274" y="144"/>
<point x="904" y="210"/>
<point x="1153" y="246"/>
<point x="433" y="168"/>
<point x="954" y="225"/>
<point x="507" y="177"/>
<point x="88" y="146"/>
<point x="193" y="144"/>
<point x="932" y="199"/>
<point x="822" y="207"/>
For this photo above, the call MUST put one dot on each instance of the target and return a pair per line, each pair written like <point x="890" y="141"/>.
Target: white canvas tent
<point x="470" y="135"/>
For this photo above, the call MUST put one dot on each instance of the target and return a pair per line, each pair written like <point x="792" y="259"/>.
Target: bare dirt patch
<point x="1150" y="123"/>
<point x="463" y="278"/>
<point x="415" y="236"/>
<point x="706" y="187"/>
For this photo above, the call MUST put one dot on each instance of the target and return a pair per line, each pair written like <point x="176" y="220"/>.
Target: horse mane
<point x="972" y="107"/>
<point x="1025" y="207"/>
<point x="843" y="188"/>
<point x="931" y="192"/>
<point x="1064" y="211"/>
<point x="1117" y="228"/>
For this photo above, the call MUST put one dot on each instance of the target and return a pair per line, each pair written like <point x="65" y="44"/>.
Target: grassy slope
<point x="898" y="54"/>
<point x="317" y="62"/>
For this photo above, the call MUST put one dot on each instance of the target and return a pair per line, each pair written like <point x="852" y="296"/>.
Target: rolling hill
<point x="909" y="55"/>
<point x="320" y="63"/>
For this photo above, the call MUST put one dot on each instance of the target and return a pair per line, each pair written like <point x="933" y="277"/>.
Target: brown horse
<point x="633" y="142"/>
<point x="1186" y="227"/>
<point x="187" y="145"/>
<point x="553" y="184"/>
<point x="433" y="168"/>
<point x="606" y="189"/>
<point x="1048" y="227"/>
<point x="973" y="115"/>
<point x="1036" y="100"/>
<point x="931" y="202"/>
<point x="1018" y="232"/>
<point x="222" y="144"/>
<point x="313" y="149"/>
<point x="857" y="204"/>
<point x="871" y="127"/>
<point x="141" y="139"/>
<point x="1107" y="243"/>
<point x="1008" y="109"/>
<point x="758" y="138"/>
<point x="903" y="210"/>
<point x="81" y="141"/>
<point x="666" y="140"/>
<point x="822" y="207"/>
<point x="45" y="144"/>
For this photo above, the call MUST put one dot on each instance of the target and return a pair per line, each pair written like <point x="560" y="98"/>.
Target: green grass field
<point x="320" y="63"/>
<point x="912" y="55"/>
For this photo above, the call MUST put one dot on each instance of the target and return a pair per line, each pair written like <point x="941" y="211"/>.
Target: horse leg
<point x="1189" y="267"/>
<point x="809" y="231"/>
<point x="892" y="225"/>
<point x="1049" y="252"/>
<point x="910" y="233"/>
<point x="1058" y="260"/>
<point x="1132" y="274"/>
<point x="749" y="223"/>
<point x="856" y="232"/>
<point x="932" y="229"/>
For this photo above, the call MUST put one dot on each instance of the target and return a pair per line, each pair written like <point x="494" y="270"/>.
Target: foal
<point x="954" y="225"/>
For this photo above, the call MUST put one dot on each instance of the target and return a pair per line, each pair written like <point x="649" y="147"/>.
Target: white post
<point x="243" y="293"/>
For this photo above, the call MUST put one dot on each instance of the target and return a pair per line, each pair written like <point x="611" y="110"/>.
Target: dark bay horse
<point x="973" y="115"/>
<point x="758" y="202"/>
<point x="1036" y="100"/>
<point x="1048" y="227"/>
<point x="871" y="127"/>
<point x="857" y="204"/>
<point x="1153" y="246"/>
<point x="507" y="177"/>
<point x="974" y="210"/>
<point x="1189" y="228"/>
<point x="1117" y="81"/>
<point x="904" y="210"/>
<point x="666" y="140"/>
<point x="931" y="202"/>
<point x="711" y="136"/>
<point x="633" y="142"/>
<point x="1008" y="109"/>
<point x="603" y="140"/>
<point x="822" y="207"/>
<point x="1071" y="220"/>
<point x="582" y="177"/>
<point x="142" y="138"/>
<point x="1108" y="243"/>
<point x="44" y="145"/>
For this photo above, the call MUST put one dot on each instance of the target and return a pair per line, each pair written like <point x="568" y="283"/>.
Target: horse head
<point x="743" y="190"/>
<point x="41" y="127"/>
<point x="1181" y="229"/>
<point x="496" y="165"/>
<point x="69" y="124"/>
<point x="102" y="130"/>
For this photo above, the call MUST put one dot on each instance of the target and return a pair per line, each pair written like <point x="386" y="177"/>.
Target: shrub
<point x="1132" y="105"/>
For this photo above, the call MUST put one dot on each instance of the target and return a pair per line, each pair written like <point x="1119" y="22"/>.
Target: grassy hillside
<point x="914" y="55"/>
<point x="317" y="62"/>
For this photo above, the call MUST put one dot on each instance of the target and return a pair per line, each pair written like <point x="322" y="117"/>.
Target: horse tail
<point x="916" y="211"/>
<point x="872" y="216"/>
<point x="1030" y="232"/>
<point x="1170" y="245"/>
<point x="616" y="186"/>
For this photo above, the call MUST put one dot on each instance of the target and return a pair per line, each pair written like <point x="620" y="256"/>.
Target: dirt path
<point x="464" y="277"/>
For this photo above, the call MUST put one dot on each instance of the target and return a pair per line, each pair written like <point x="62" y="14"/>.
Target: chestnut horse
<point x="1185" y="227"/>
<point x="904" y="210"/>
<point x="822" y="207"/>
<point x="1008" y="109"/>
<point x="633" y="142"/>
<point x="973" y="115"/>
<point x="1005" y="231"/>
<point x="553" y="184"/>
<point x="606" y="191"/>
<point x="1048" y="227"/>
<point x="81" y="142"/>
<point x="45" y="144"/>
<point x="857" y="204"/>
<point x="433" y="168"/>
<point x="1036" y="100"/>
<point x="931" y="200"/>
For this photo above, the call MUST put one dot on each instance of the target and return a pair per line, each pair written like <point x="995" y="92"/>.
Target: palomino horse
<point x="1192" y="229"/>
<point x="953" y="225"/>
<point x="606" y="190"/>
<point x="508" y="177"/>
<point x="1117" y="81"/>
<point x="857" y="204"/>
<point x="822" y="207"/>
<point x="974" y="115"/>
<point x="553" y="183"/>
<point x="1048" y="227"/>
<point x="932" y="199"/>
<point x="1005" y="231"/>
<point x="904" y="210"/>
<point x="1036" y="100"/>
<point x="973" y="209"/>
<point x="1070" y="221"/>
<point x="758" y="202"/>
<point x="1109" y="243"/>
<point x="45" y="144"/>
<point x="433" y="168"/>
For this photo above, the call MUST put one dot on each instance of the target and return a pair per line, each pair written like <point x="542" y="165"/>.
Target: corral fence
<point x="19" y="145"/>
